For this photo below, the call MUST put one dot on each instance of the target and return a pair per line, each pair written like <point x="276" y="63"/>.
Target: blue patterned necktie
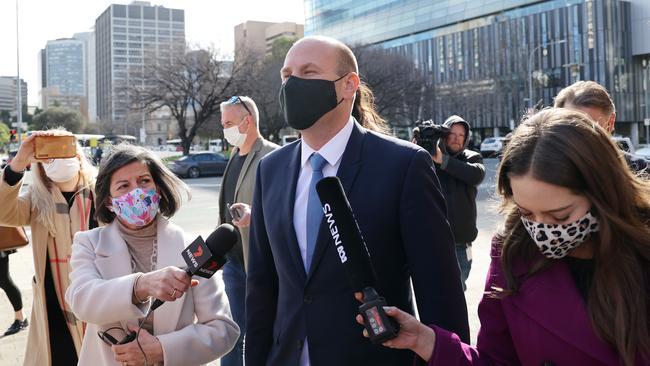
<point x="314" y="208"/>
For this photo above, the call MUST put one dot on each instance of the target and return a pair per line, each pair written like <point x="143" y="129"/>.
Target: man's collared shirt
<point x="332" y="151"/>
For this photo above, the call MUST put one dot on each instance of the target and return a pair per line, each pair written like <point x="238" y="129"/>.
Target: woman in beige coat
<point x="117" y="270"/>
<point x="57" y="204"/>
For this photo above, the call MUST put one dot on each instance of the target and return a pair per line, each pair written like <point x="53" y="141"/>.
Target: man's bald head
<point x="332" y="49"/>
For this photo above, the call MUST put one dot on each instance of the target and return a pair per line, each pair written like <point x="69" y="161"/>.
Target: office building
<point x="256" y="38"/>
<point x="126" y="38"/>
<point x="9" y="94"/>
<point x="63" y="75"/>
<point x="91" y="78"/>
<point x="475" y="54"/>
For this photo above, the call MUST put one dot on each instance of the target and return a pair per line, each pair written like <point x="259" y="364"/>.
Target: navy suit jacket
<point x="396" y="198"/>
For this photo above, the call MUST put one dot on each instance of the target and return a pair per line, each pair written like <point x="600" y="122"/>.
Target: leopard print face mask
<point x="556" y="241"/>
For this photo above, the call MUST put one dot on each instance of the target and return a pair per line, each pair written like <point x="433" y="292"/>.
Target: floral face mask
<point x="138" y="207"/>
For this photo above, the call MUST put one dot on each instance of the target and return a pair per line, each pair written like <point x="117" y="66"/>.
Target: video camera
<point x="427" y="134"/>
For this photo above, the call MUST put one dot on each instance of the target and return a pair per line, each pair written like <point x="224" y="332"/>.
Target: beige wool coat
<point x="193" y="330"/>
<point x="16" y="210"/>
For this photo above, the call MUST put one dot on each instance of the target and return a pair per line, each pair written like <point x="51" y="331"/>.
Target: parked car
<point x="286" y="140"/>
<point x="643" y="151"/>
<point x="624" y="143"/>
<point x="491" y="146"/>
<point x="7" y="160"/>
<point x="195" y="165"/>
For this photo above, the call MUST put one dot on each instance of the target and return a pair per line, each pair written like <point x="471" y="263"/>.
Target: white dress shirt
<point x="332" y="151"/>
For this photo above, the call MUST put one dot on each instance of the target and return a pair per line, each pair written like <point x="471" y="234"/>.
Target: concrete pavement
<point x="199" y="217"/>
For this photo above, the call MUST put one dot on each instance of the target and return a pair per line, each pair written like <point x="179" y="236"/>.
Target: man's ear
<point x="351" y="85"/>
<point x="611" y="121"/>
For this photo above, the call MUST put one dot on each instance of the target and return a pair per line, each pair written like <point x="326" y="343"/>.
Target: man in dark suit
<point x="300" y="309"/>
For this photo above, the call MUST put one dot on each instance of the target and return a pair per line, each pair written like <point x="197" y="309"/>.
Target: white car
<point x="491" y="146"/>
<point x="624" y="143"/>
<point x="643" y="151"/>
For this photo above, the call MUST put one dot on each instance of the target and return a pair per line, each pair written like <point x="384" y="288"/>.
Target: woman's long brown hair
<point x="566" y="148"/>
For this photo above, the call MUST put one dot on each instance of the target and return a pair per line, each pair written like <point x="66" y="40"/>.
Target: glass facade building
<point x="476" y="54"/>
<point x="66" y="66"/>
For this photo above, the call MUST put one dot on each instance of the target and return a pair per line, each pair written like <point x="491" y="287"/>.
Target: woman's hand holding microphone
<point x="166" y="284"/>
<point x="412" y="334"/>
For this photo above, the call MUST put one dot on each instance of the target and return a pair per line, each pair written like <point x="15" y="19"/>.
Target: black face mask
<point x="305" y="101"/>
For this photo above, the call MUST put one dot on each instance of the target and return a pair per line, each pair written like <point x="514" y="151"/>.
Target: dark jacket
<point x="460" y="175"/>
<point x="396" y="199"/>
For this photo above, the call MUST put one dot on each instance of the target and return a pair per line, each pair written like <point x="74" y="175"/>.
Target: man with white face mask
<point x="239" y="118"/>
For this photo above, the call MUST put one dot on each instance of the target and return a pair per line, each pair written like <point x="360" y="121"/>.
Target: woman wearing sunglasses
<point x="57" y="204"/>
<point x="569" y="282"/>
<point x="118" y="269"/>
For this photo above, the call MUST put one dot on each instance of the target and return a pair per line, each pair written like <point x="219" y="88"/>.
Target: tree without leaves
<point x="398" y="86"/>
<point x="191" y="87"/>
<point x="261" y="81"/>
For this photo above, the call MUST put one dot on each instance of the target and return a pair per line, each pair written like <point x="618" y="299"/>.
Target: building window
<point x="163" y="13"/>
<point x="119" y="11"/>
<point x="134" y="11"/>
<point x="148" y="12"/>
<point x="178" y="15"/>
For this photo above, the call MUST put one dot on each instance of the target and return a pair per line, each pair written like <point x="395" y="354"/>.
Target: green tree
<point x="5" y="116"/>
<point x="53" y="117"/>
<point x="281" y="46"/>
<point x="4" y="135"/>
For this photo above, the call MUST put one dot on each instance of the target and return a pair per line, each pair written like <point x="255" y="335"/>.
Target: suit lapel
<point x="552" y="299"/>
<point x="169" y="249"/>
<point x="347" y="173"/>
<point x="288" y="206"/>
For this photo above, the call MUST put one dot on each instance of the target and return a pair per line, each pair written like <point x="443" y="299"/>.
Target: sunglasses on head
<point x="110" y="340"/>
<point x="236" y="99"/>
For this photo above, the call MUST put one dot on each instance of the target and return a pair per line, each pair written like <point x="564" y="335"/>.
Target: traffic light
<point x="12" y="138"/>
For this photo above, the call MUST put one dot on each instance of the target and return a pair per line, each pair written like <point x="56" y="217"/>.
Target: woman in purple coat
<point x="569" y="281"/>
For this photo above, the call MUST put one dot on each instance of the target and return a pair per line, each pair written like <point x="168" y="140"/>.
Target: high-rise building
<point x="9" y="94"/>
<point x="91" y="78"/>
<point x="63" y="72"/>
<point x="126" y="38"/>
<point x="256" y="38"/>
<point x="475" y="55"/>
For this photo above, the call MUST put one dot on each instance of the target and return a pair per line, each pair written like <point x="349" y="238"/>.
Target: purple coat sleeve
<point x="494" y="346"/>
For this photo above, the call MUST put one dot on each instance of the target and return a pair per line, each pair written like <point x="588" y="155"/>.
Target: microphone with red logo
<point x="204" y="259"/>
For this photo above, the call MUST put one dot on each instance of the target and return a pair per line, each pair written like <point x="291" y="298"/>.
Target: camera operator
<point x="460" y="171"/>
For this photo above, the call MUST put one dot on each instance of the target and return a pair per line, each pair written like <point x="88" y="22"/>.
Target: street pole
<point x="530" y="69"/>
<point x="645" y="98"/>
<point x="19" y="114"/>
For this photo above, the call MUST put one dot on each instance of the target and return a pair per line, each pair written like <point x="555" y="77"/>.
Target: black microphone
<point x="206" y="258"/>
<point x="353" y="254"/>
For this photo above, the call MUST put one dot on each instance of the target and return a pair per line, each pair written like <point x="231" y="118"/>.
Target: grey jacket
<point x="244" y="190"/>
